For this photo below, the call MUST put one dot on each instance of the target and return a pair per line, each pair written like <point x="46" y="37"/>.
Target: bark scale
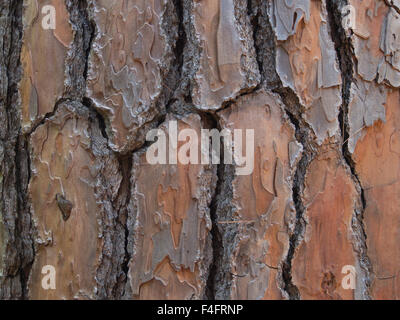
<point x="318" y="82"/>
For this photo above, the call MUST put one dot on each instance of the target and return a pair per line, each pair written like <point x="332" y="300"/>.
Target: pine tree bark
<point x="318" y="82"/>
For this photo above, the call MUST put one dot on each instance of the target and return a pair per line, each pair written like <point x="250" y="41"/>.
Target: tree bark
<point x="316" y="80"/>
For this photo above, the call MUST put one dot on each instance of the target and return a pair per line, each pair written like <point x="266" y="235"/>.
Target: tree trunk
<point x="317" y="82"/>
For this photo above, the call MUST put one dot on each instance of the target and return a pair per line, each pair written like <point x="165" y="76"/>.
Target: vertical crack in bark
<point x="220" y="276"/>
<point x="173" y="25"/>
<point x="78" y="59"/>
<point x="217" y="243"/>
<point x="21" y="157"/>
<point x="190" y="54"/>
<point x="302" y="133"/>
<point x="77" y="62"/>
<point x="180" y="42"/>
<point x="24" y="226"/>
<point x="345" y="52"/>
<point x="255" y="12"/>
<point x="265" y="44"/>
<point x="127" y="165"/>
<point x="85" y="37"/>
<point x="88" y="35"/>
<point x="121" y="206"/>
<point x="175" y="29"/>
<point x="15" y="204"/>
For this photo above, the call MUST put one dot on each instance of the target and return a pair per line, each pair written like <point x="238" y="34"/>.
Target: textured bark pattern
<point x="130" y="58"/>
<point x="317" y="80"/>
<point x="306" y="62"/>
<point x="227" y="62"/>
<point x="170" y="225"/>
<point x="374" y="151"/>
<point x="70" y="205"/>
<point x="255" y="233"/>
<point x="329" y="195"/>
<point x="16" y="252"/>
<point x="41" y="86"/>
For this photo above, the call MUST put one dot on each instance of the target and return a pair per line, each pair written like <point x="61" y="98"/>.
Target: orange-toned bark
<point x="170" y="224"/>
<point x="69" y="203"/>
<point x="330" y="199"/>
<point x="43" y="57"/>
<point x="263" y="210"/>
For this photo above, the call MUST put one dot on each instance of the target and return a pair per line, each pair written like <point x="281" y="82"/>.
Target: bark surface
<point x="317" y="80"/>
